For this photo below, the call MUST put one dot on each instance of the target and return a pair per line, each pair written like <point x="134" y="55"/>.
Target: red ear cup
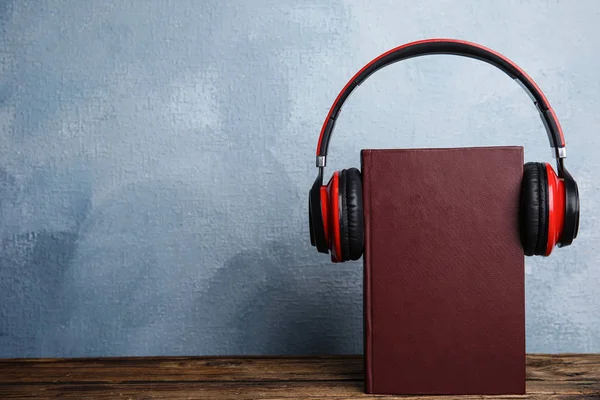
<point x="324" y="208"/>
<point x="570" y="226"/>
<point x="341" y="208"/>
<point x="542" y="209"/>
<point x="317" y="216"/>
<point x="323" y="192"/>
<point x="332" y="212"/>
<point x="556" y="208"/>
<point x="345" y="225"/>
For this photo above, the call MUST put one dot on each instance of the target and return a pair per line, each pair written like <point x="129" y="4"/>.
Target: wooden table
<point x="548" y="377"/>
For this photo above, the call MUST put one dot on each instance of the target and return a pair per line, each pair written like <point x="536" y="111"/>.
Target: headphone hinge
<point x="321" y="161"/>
<point x="560" y="152"/>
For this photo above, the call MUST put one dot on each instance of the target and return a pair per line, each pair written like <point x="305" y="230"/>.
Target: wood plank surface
<point x="565" y="376"/>
<point x="180" y="369"/>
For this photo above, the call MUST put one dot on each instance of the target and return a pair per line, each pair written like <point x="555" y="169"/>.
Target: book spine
<point x="367" y="309"/>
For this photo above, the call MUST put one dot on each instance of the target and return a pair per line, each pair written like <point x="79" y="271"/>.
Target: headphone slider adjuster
<point x="321" y="161"/>
<point x="560" y="152"/>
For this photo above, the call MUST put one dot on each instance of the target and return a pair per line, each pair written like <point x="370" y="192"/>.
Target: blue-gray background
<point x="155" y="159"/>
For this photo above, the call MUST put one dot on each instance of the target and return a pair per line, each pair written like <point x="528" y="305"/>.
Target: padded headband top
<point x="454" y="47"/>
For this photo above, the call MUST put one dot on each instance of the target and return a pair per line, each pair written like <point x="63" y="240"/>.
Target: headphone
<point x="549" y="202"/>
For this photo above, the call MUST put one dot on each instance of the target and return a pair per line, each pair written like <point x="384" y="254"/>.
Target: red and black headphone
<point x="549" y="203"/>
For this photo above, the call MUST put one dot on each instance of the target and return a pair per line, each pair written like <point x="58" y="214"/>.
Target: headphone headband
<point x="453" y="47"/>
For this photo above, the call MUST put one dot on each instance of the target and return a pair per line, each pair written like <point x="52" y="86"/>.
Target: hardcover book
<point x="444" y="298"/>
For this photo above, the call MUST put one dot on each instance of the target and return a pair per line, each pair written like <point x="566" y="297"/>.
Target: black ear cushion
<point x="343" y="203"/>
<point x="533" y="219"/>
<point x="354" y="213"/>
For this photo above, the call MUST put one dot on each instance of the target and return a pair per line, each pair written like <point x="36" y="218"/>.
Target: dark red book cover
<point x="444" y="291"/>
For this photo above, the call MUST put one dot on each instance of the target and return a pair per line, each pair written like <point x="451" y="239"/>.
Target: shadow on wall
<point x="268" y="306"/>
<point x="32" y="268"/>
<point x="33" y="264"/>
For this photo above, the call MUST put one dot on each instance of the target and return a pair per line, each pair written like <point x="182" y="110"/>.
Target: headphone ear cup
<point x="533" y="218"/>
<point x="344" y="235"/>
<point x="316" y="218"/>
<point x="352" y="227"/>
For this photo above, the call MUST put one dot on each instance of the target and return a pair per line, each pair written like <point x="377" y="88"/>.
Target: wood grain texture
<point x="566" y="376"/>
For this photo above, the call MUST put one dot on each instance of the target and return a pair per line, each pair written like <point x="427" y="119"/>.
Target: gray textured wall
<point x="155" y="159"/>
